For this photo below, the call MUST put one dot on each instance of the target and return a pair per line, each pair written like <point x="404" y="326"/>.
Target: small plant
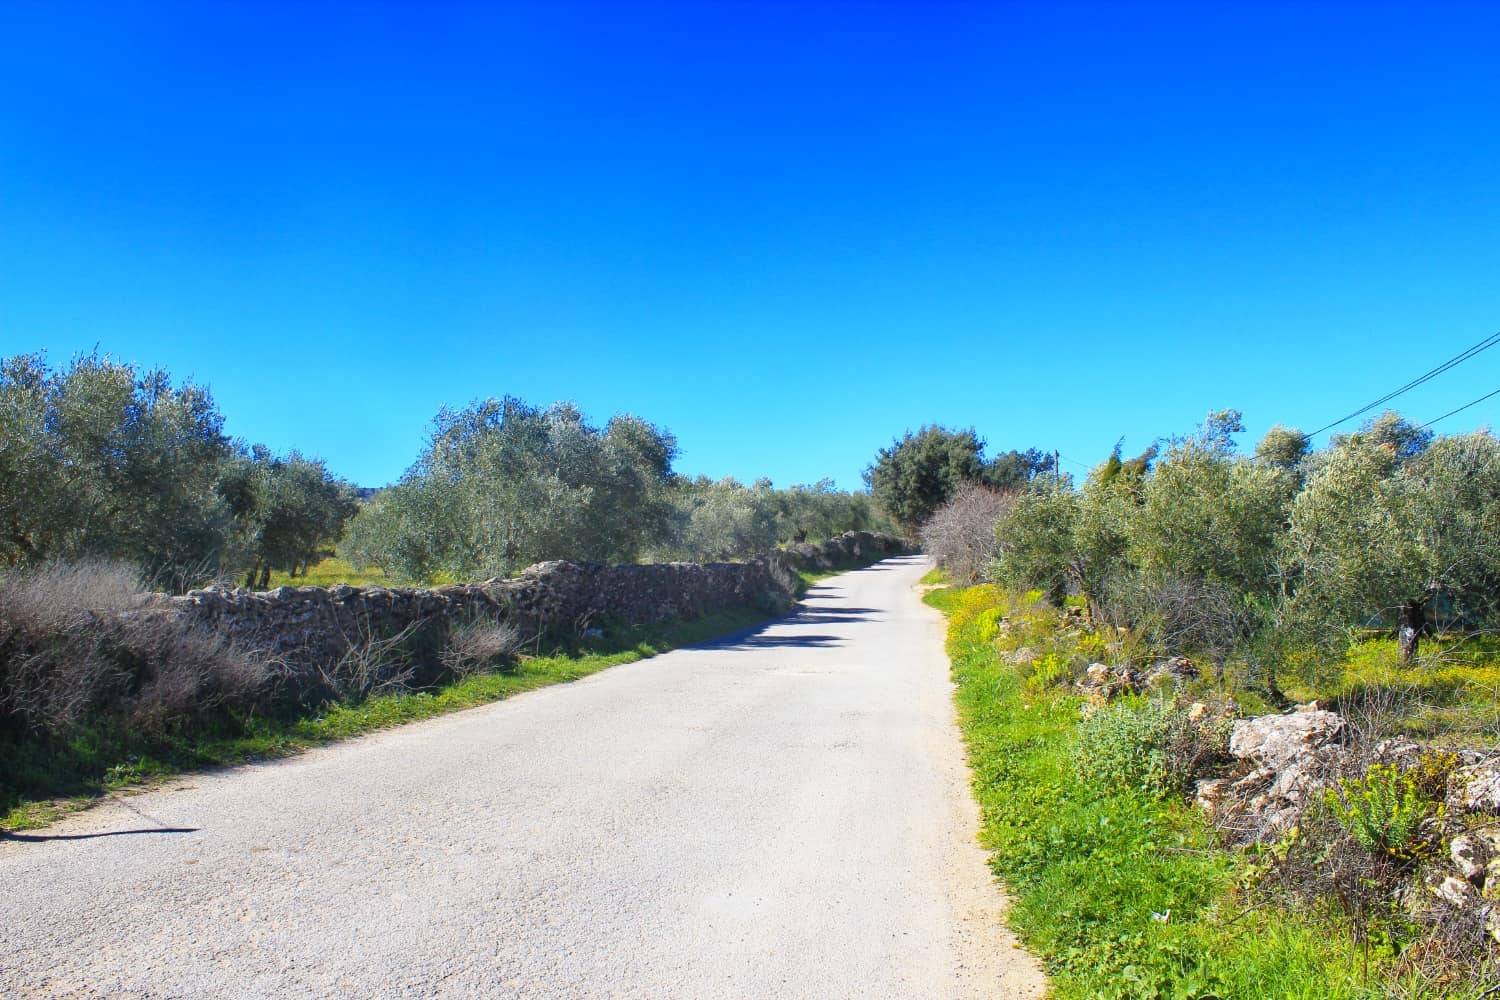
<point x="1047" y="671"/>
<point x="1386" y="812"/>
<point x="1148" y="745"/>
<point x="479" y="645"/>
<point x="1120" y="746"/>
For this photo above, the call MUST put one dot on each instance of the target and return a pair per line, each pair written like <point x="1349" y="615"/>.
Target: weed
<point x="1386" y="812"/>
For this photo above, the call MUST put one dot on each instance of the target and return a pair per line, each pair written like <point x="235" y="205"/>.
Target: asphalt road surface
<point x="781" y="814"/>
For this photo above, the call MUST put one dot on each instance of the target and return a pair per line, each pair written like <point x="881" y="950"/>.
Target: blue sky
<point x="788" y="232"/>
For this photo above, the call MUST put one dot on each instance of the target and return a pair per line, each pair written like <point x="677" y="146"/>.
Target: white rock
<point x="1476" y="788"/>
<point x="1454" y="891"/>
<point x="1278" y="740"/>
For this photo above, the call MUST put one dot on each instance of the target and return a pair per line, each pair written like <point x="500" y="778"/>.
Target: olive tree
<point x="103" y="460"/>
<point x="1383" y="526"/>
<point x="502" y="484"/>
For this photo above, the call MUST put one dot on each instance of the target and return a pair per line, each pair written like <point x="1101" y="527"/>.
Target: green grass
<point x="1450" y="693"/>
<point x="1089" y="865"/>
<point x="332" y="571"/>
<point x="41" y="782"/>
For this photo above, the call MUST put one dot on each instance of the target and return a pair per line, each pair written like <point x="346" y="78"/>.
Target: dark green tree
<point x="919" y="473"/>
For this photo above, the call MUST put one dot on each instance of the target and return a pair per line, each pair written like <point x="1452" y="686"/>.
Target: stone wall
<point x="305" y="627"/>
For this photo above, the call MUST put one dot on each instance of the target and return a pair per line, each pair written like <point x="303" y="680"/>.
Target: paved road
<point x="784" y="814"/>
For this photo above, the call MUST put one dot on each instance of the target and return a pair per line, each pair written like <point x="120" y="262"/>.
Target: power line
<point x="1461" y="408"/>
<point x="1078" y="465"/>
<point x="1452" y="362"/>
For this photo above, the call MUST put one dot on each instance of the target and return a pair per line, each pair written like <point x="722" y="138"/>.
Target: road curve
<point x="784" y="814"/>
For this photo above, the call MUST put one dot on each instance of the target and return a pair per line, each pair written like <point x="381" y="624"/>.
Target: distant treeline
<point x="503" y="484"/>
<point x="103" y="460"/>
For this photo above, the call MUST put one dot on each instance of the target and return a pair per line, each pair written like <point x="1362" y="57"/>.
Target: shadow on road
<point x="818" y="616"/>
<point x="39" y="837"/>
<point x="759" y="640"/>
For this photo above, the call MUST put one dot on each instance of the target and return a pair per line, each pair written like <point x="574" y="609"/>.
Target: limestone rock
<point x="1455" y="892"/>
<point x="1476" y="788"/>
<point x="1210" y="795"/>
<point x="1471" y="856"/>
<point x="1103" y="683"/>
<point x="1277" y="741"/>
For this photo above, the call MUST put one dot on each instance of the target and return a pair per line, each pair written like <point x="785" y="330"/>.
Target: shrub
<point x="1047" y="671"/>
<point x="478" y="645"/>
<point x="1148" y="745"/>
<point x="374" y="665"/>
<point x="960" y="535"/>
<point x="1386" y="812"/>
<point x="80" y="640"/>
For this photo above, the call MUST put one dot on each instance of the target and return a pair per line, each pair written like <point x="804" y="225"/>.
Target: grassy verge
<point x="1121" y="891"/>
<point x="41" y="782"/>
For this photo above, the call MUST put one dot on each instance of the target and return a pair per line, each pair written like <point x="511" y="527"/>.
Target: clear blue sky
<point x="786" y="231"/>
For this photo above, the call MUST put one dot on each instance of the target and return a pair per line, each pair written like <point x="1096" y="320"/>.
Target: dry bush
<point x="59" y="596"/>
<point x="373" y="664"/>
<point x="1177" y="616"/>
<point x="478" y="645"/>
<point x="80" y="640"/>
<point x="183" y="672"/>
<point x="960" y="535"/>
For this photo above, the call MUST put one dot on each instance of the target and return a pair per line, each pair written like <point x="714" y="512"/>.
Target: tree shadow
<point x="762" y="641"/>
<point x="818" y="616"/>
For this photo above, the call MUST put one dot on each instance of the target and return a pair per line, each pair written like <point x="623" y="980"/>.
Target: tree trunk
<point x="1409" y="628"/>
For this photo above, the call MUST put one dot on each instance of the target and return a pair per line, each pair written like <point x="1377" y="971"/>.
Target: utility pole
<point x="1056" y="471"/>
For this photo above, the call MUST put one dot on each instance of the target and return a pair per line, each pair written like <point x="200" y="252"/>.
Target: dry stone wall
<point x="308" y="627"/>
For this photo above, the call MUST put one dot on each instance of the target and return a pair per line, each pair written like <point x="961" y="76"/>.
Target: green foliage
<point x="715" y="521"/>
<point x="1035" y="541"/>
<point x="919" y="472"/>
<point x="104" y="461"/>
<point x="1283" y="447"/>
<point x="1122" y="892"/>
<point x="821" y="511"/>
<point x="1210" y="516"/>
<point x="502" y="484"/>
<point x="1199" y="550"/>
<point x="1387" y="812"/>
<point x="288" y="510"/>
<point x="1382" y="527"/>
<point x="101" y="460"/>
<point x="1122" y="746"/>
